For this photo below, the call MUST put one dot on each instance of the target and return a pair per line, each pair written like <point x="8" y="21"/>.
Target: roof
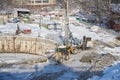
<point x="21" y="9"/>
<point x="9" y="11"/>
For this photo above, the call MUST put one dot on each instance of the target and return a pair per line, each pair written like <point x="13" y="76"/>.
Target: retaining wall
<point x="15" y="44"/>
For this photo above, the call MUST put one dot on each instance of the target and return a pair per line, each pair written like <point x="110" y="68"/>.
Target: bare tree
<point x="4" y="4"/>
<point x="103" y="8"/>
<point x="116" y="1"/>
<point x="99" y="8"/>
<point x="19" y="3"/>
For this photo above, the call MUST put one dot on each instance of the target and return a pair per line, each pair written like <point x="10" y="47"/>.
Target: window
<point x="45" y="1"/>
<point x="38" y="1"/>
<point x="31" y="1"/>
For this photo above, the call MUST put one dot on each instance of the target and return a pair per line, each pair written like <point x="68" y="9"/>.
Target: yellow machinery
<point x="62" y="53"/>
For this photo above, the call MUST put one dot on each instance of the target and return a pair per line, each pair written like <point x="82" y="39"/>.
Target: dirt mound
<point x="88" y="58"/>
<point x="105" y="60"/>
<point x="99" y="61"/>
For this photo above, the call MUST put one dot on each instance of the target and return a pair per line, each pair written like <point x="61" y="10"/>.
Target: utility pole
<point x="67" y="29"/>
<point x="67" y="23"/>
<point x="40" y="17"/>
<point x="41" y="9"/>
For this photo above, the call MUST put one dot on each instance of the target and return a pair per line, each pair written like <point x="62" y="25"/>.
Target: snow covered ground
<point x="14" y="58"/>
<point x="69" y="70"/>
<point x="111" y="73"/>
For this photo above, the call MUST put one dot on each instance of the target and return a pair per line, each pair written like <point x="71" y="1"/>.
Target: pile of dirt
<point x="98" y="64"/>
<point x="88" y="58"/>
<point x="105" y="60"/>
<point x="99" y="61"/>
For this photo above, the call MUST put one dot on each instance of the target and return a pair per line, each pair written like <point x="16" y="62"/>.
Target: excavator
<point x="63" y="52"/>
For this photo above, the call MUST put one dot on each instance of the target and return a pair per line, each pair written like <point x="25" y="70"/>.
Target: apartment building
<point x="33" y="3"/>
<point x="41" y="2"/>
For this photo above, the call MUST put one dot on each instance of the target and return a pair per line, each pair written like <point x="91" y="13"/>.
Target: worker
<point x="55" y="26"/>
<point x="84" y="43"/>
<point x="18" y="30"/>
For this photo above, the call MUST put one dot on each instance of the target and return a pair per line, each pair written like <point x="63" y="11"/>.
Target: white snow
<point x="13" y="58"/>
<point x="73" y="67"/>
<point x="111" y="73"/>
<point x="47" y="22"/>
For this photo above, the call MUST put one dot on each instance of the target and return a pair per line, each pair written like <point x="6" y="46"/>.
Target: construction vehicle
<point x="62" y="53"/>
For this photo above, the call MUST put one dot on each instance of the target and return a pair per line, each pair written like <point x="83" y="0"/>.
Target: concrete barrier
<point x="15" y="44"/>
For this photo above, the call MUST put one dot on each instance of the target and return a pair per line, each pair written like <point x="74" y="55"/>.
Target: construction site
<point x="90" y="51"/>
<point x="55" y="45"/>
